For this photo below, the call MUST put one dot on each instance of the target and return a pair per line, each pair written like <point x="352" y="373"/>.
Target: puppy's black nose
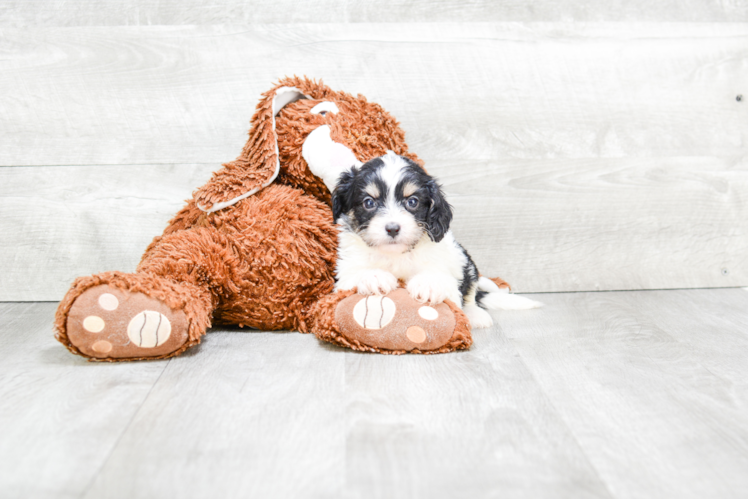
<point x="392" y="229"/>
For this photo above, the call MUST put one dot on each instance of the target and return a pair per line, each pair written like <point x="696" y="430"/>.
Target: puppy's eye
<point x="369" y="204"/>
<point x="412" y="202"/>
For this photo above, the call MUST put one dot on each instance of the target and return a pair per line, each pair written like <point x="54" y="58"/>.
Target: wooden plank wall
<point x="24" y="13"/>
<point x="584" y="146"/>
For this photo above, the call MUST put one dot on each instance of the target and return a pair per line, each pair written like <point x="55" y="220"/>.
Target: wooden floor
<point x="606" y="394"/>
<point x="584" y="145"/>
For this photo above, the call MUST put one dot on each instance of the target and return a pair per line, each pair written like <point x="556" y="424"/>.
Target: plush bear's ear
<point x="258" y="164"/>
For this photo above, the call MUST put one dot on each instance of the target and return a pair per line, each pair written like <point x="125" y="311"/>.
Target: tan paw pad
<point x="102" y="346"/>
<point x="416" y="334"/>
<point x="93" y="324"/>
<point x="149" y="329"/>
<point x="107" y="322"/>
<point x="108" y="302"/>
<point x="428" y="313"/>
<point x="394" y="321"/>
<point x="374" y="312"/>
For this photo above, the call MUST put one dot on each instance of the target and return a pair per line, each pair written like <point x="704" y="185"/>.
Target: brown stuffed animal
<point x="256" y="247"/>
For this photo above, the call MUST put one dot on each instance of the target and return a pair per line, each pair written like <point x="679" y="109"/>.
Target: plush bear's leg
<point x="160" y="311"/>
<point x="116" y="316"/>
<point x="390" y="324"/>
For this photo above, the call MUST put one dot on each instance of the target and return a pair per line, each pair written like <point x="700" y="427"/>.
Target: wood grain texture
<point x="604" y="224"/>
<point x="486" y="91"/>
<point x="464" y="425"/>
<point x="543" y="225"/>
<point x="651" y="384"/>
<point x="60" y="416"/>
<point x="34" y="13"/>
<point x="282" y="415"/>
<point x="249" y="415"/>
<point x="64" y="222"/>
<point x="616" y="394"/>
<point x="601" y="155"/>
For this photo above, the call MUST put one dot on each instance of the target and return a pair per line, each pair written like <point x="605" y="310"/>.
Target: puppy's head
<point x="391" y="203"/>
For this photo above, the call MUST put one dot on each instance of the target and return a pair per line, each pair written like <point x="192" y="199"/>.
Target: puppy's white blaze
<point x="508" y="302"/>
<point x="391" y="172"/>
<point x="479" y="318"/>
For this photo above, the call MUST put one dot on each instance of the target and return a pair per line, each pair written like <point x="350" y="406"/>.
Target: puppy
<point x="394" y="224"/>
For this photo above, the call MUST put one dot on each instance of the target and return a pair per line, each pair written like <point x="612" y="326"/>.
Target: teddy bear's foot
<point x="117" y="316"/>
<point x="393" y="324"/>
<point x="106" y="322"/>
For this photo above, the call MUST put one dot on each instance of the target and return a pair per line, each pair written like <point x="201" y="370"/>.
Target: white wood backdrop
<point x="22" y="13"/>
<point x="596" y="155"/>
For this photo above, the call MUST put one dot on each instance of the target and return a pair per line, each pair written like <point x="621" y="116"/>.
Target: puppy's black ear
<point x="341" y="195"/>
<point x="440" y="213"/>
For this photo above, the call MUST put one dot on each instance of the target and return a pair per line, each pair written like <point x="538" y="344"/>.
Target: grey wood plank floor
<point x="599" y="394"/>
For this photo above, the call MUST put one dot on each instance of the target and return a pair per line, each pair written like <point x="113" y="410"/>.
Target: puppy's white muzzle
<point x="393" y="231"/>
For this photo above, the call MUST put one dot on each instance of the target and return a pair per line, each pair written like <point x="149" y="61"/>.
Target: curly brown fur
<point x="364" y="127"/>
<point x="195" y="303"/>
<point x="354" y="126"/>
<point x="265" y="260"/>
<point x="268" y="260"/>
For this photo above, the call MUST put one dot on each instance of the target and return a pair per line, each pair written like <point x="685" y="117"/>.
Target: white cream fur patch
<point x="442" y="261"/>
<point x="326" y="158"/>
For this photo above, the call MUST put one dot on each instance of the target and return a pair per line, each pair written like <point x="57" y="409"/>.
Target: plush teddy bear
<point x="256" y="247"/>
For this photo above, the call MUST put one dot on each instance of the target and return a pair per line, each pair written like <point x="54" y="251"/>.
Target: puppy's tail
<point x="490" y="296"/>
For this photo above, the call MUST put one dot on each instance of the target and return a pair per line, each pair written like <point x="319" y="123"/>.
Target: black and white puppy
<point x="394" y="224"/>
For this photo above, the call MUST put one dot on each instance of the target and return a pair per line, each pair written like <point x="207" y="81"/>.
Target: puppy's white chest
<point x="402" y="266"/>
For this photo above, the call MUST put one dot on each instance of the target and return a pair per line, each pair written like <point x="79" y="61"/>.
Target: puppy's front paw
<point x="433" y="288"/>
<point x="376" y="282"/>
